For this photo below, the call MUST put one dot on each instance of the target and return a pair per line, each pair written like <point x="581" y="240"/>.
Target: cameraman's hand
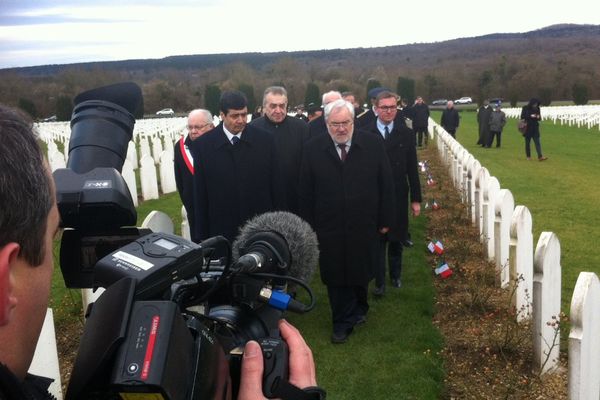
<point x="301" y="364"/>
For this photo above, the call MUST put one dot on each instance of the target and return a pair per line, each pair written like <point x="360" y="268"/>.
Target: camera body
<point x="175" y="315"/>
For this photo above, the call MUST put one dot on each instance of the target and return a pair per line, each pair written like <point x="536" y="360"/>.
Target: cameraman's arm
<point x="301" y="364"/>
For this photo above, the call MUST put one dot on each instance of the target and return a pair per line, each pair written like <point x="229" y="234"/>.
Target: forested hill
<point x="566" y="39"/>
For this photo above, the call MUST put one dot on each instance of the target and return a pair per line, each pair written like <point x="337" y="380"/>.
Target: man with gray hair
<point x="317" y="126"/>
<point x="199" y="122"/>
<point x="290" y="133"/>
<point x="346" y="194"/>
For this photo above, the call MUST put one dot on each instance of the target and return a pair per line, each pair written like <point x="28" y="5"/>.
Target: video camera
<point x="175" y="315"/>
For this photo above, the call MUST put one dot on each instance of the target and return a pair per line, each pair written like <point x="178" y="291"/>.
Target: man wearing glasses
<point x="199" y="122"/>
<point x="346" y="194"/>
<point x="401" y="151"/>
<point x="236" y="172"/>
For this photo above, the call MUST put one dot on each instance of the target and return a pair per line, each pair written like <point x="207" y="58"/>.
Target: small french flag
<point x="435" y="205"/>
<point x="443" y="270"/>
<point x="437" y="247"/>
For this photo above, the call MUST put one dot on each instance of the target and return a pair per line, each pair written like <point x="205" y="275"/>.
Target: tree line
<point x="551" y="65"/>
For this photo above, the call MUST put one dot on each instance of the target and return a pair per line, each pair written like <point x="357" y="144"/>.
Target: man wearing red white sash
<point x="199" y="122"/>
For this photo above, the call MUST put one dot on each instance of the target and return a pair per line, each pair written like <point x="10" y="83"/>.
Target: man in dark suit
<point x="199" y="122"/>
<point x="317" y="127"/>
<point x="236" y="172"/>
<point x="369" y="115"/>
<point x="290" y="133"/>
<point x="419" y="114"/>
<point x="450" y="119"/>
<point x="483" y="120"/>
<point x="402" y="155"/>
<point x="346" y="194"/>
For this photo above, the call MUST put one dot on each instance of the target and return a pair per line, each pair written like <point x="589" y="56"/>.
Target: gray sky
<point x="58" y="32"/>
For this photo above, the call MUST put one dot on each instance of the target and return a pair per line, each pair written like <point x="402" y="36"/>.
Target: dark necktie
<point x="235" y="140"/>
<point x="386" y="133"/>
<point x="344" y="153"/>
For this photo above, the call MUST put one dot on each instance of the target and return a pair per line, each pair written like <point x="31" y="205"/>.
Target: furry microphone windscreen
<point x="301" y="239"/>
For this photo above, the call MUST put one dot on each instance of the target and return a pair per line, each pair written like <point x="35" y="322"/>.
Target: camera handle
<point x="275" y="375"/>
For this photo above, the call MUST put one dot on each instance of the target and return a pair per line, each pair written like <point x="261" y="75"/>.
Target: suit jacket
<point x="184" y="179"/>
<point x="366" y="118"/>
<point x="401" y="151"/>
<point x="290" y="136"/>
<point x="234" y="183"/>
<point x="317" y="126"/>
<point x="346" y="203"/>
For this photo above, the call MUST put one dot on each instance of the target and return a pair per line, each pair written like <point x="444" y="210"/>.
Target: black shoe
<point x="379" y="291"/>
<point x="340" y="337"/>
<point x="361" y="319"/>
<point x="408" y="243"/>
<point x="396" y="283"/>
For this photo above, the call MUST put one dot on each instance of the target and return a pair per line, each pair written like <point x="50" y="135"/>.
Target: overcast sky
<point x="58" y="32"/>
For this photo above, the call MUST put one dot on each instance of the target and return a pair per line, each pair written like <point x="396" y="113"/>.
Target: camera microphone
<point x="272" y="233"/>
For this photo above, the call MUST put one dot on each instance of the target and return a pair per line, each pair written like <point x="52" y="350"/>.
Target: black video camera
<point x="175" y="315"/>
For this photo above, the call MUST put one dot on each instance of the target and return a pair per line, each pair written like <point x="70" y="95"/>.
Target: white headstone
<point x="158" y="221"/>
<point x="169" y="144"/>
<point x="129" y="176"/>
<point x="157" y="148"/>
<point x="521" y="261"/>
<point x="89" y="296"/>
<point x="45" y="358"/>
<point x="144" y="148"/>
<point x="546" y="302"/>
<point x="167" y="172"/>
<point x="471" y="193"/>
<point x="185" y="225"/>
<point x="132" y="155"/>
<point x="481" y="182"/>
<point x="148" y="178"/>
<point x="56" y="159"/>
<point x="504" y="207"/>
<point x="584" y="340"/>
<point x="489" y="216"/>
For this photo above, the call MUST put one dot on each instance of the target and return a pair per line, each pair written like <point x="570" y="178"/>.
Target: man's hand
<point x="301" y="364"/>
<point x="384" y="230"/>
<point x="416" y="208"/>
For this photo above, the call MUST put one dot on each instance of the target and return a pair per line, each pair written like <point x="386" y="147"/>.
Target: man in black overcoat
<point x="317" y="127"/>
<point x="402" y="154"/>
<point x="199" y="122"/>
<point x="236" y="172"/>
<point x="347" y="195"/>
<point x="290" y="133"/>
<point x="483" y="119"/>
<point x="450" y="119"/>
<point x="419" y="114"/>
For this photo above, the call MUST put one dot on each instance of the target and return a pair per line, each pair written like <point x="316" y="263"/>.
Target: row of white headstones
<point x="533" y="276"/>
<point x="587" y="116"/>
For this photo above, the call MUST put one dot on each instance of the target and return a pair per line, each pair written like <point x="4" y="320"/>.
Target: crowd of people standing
<point x="351" y="174"/>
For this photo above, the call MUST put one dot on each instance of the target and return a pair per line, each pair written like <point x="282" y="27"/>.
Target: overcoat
<point x="184" y="179"/>
<point x="346" y="203"/>
<point x="234" y="183"/>
<point x="402" y="154"/>
<point x="290" y="136"/>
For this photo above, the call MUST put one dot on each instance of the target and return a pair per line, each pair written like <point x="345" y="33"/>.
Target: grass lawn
<point x="562" y="193"/>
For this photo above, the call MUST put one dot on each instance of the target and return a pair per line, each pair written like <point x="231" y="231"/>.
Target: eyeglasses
<point x="387" y="108"/>
<point x="198" y="127"/>
<point x="343" y="124"/>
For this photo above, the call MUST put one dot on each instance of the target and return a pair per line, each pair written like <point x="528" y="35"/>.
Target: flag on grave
<point x="436" y="247"/>
<point x="443" y="270"/>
